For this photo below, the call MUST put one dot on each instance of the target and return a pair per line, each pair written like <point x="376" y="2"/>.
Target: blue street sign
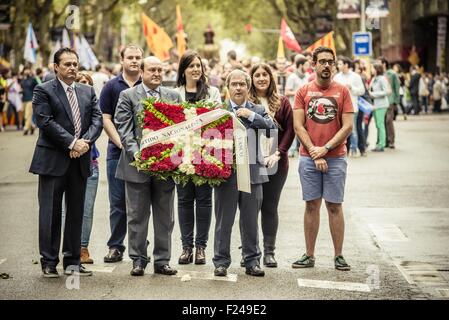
<point x="362" y="44"/>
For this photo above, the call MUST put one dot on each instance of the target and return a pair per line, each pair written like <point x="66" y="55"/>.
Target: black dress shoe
<point x="77" y="270"/>
<point x="137" y="271"/>
<point x="114" y="255"/>
<point x="50" y="272"/>
<point x="165" y="269"/>
<point x="242" y="263"/>
<point x="269" y="261"/>
<point x="255" y="271"/>
<point x="220" y="271"/>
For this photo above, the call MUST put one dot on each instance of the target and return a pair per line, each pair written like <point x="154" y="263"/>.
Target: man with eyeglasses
<point x="142" y="190"/>
<point x="228" y="197"/>
<point x="323" y="119"/>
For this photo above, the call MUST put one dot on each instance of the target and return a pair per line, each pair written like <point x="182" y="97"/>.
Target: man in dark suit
<point x="227" y="196"/>
<point x="142" y="190"/>
<point x="70" y="121"/>
<point x="414" y="90"/>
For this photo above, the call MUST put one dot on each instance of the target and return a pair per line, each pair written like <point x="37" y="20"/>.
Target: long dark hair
<point x="202" y="87"/>
<point x="274" y="100"/>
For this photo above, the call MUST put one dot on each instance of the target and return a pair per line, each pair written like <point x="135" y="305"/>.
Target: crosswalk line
<point x="324" y="284"/>
<point x="231" y="277"/>
<point x="2" y="261"/>
<point x="388" y="232"/>
<point x="100" y="268"/>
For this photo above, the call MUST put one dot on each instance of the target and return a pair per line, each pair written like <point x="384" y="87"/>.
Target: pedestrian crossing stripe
<point x="324" y="284"/>
<point x="2" y="260"/>
<point x="100" y="268"/>
<point x="388" y="232"/>
<point x="231" y="277"/>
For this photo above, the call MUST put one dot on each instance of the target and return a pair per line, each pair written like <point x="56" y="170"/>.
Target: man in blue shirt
<point x="131" y="58"/>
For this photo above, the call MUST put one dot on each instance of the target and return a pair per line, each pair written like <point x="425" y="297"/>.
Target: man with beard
<point x="323" y="118"/>
<point x="131" y="57"/>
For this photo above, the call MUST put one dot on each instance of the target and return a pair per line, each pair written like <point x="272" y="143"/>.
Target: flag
<point x="364" y="106"/>
<point x="157" y="39"/>
<point x="326" y="41"/>
<point x="180" y="37"/>
<point x="281" y="52"/>
<point x="55" y="48"/>
<point x="288" y="37"/>
<point x="87" y="58"/>
<point x="66" y="39"/>
<point x="31" y="45"/>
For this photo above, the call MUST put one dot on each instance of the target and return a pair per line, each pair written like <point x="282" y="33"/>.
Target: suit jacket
<point x="57" y="131"/>
<point x="213" y="95"/>
<point x="128" y="107"/>
<point x="258" y="171"/>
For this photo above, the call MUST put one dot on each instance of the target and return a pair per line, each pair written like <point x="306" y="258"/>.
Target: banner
<point x="180" y="129"/>
<point x="348" y="9"/>
<point x="288" y="37"/>
<point x="441" y="43"/>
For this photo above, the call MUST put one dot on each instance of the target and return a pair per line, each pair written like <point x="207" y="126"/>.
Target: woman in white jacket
<point x="379" y="90"/>
<point x="192" y="86"/>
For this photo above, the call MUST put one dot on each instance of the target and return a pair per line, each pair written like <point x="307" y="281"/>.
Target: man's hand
<point x="81" y="146"/>
<point x="74" y="154"/>
<point x="321" y="165"/>
<point x="270" y="161"/>
<point x="244" y="113"/>
<point x="317" y="152"/>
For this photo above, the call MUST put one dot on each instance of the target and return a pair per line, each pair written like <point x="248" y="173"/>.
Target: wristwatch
<point x="328" y="147"/>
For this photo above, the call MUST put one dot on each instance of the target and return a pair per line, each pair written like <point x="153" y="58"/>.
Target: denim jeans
<point x="186" y="200"/>
<point x="117" y="207"/>
<point x="91" y="194"/>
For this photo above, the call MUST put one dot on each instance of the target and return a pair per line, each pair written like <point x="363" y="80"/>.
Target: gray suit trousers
<point x="140" y="198"/>
<point x="227" y="198"/>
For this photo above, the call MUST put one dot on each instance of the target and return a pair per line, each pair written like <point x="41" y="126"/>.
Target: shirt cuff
<point x="251" y="117"/>
<point x="72" y="144"/>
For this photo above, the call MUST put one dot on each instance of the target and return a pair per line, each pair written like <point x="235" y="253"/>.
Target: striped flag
<point x="180" y="37"/>
<point x="326" y="41"/>
<point x="31" y="46"/>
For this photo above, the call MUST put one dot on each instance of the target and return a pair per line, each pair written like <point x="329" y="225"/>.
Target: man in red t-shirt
<point x="323" y="117"/>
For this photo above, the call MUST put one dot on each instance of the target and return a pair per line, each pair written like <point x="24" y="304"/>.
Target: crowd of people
<point x="319" y="104"/>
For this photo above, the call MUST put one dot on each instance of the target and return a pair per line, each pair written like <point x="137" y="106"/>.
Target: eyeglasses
<point x="154" y="70"/>
<point x="323" y="62"/>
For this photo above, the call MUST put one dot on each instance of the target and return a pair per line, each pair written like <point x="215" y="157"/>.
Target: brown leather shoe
<point x="85" y="258"/>
<point x="200" y="256"/>
<point x="186" y="256"/>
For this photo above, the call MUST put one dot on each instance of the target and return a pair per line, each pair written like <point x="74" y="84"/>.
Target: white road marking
<point x="99" y="268"/>
<point x="420" y="273"/>
<point x="443" y="292"/>
<point x="323" y="284"/>
<point x="2" y="260"/>
<point x="388" y="232"/>
<point x="231" y="277"/>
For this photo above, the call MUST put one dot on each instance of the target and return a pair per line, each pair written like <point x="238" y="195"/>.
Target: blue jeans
<point x="91" y="194"/>
<point x="117" y="207"/>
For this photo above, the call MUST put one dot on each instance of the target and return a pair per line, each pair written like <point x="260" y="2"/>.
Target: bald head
<point x="152" y="69"/>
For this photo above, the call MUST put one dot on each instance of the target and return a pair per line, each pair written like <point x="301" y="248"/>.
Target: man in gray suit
<point x="142" y="190"/>
<point x="227" y="196"/>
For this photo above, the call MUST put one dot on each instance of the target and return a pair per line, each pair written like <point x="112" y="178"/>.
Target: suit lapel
<point x="62" y="96"/>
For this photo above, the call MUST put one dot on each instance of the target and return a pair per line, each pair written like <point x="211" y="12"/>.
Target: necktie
<point x="75" y="111"/>
<point x="153" y="93"/>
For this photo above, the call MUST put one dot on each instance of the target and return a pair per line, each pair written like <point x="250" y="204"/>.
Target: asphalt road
<point x="397" y="222"/>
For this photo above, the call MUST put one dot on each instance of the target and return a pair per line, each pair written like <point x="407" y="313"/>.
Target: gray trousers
<point x="140" y="198"/>
<point x="227" y="198"/>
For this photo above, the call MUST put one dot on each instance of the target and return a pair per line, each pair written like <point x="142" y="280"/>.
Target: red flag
<point x="288" y="37"/>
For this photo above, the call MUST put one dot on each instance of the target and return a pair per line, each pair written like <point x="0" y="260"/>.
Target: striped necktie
<point x="75" y="111"/>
